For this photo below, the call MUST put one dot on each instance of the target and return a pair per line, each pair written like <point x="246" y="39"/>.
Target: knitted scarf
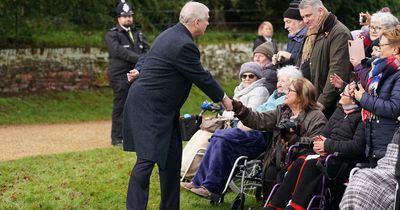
<point x="311" y="36"/>
<point x="382" y="68"/>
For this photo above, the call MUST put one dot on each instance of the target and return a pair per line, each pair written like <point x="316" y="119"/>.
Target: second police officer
<point x="125" y="44"/>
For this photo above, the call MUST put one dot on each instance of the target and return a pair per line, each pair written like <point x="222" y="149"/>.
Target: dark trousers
<point x="300" y="183"/>
<point x="120" y="91"/>
<point x="138" y="189"/>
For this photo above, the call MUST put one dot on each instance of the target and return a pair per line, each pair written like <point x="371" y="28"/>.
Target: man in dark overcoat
<point x="125" y="44"/>
<point x="151" y="111"/>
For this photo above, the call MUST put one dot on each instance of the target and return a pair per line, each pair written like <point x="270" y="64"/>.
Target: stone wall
<point x="33" y="70"/>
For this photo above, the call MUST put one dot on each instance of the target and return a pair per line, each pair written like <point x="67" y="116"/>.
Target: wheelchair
<point x="326" y="196"/>
<point x="244" y="179"/>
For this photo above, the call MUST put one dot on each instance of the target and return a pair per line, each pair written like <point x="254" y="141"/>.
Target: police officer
<point x="125" y="44"/>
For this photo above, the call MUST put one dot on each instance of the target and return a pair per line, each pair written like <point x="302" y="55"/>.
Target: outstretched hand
<point x="227" y="103"/>
<point x="237" y="106"/>
<point x="336" y="81"/>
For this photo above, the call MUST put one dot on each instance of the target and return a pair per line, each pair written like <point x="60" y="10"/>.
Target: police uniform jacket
<point x="123" y="52"/>
<point x="151" y="111"/>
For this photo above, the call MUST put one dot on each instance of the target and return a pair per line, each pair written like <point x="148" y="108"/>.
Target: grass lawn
<point x="79" y="105"/>
<point x="95" y="179"/>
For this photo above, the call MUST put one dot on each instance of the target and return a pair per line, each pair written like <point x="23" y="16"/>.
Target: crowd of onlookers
<point x="343" y="95"/>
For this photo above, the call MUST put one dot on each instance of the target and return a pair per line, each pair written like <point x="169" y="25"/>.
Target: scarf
<point x="325" y="24"/>
<point x="298" y="37"/>
<point x="382" y="68"/>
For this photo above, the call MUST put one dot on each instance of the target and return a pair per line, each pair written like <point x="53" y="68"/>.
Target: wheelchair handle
<point x="210" y="106"/>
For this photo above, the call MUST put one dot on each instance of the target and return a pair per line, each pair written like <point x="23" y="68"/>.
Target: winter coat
<point x="253" y="95"/>
<point x="312" y="122"/>
<point x="330" y="55"/>
<point x="151" y="113"/>
<point x="345" y="134"/>
<point x="123" y="52"/>
<point x="272" y="102"/>
<point x="270" y="76"/>
<point x="386" y="109"/>
<point x="294" y="46"/>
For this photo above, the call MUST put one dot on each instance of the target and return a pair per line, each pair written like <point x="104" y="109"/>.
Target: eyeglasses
<point x="381" y="45"/>
<point x="250" y="76"/>
<point x="375" y="28"/>
<point x="291" y="90"/>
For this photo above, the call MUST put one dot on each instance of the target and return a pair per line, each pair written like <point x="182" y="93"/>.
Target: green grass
<point x="57" y="107"/>
<point x="75" y="106"/>
<point x="95" y="179"/>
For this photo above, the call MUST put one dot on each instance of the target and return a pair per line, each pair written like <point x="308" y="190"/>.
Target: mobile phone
<point x="362" y="19"/>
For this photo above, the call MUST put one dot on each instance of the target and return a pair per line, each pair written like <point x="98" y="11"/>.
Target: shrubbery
<point x="23" y="21"/>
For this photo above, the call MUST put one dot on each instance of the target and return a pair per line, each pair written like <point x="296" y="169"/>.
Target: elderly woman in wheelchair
<point x="300" y="107"/>
<point x="344" y="134"/>
<point x="251" y="91"/>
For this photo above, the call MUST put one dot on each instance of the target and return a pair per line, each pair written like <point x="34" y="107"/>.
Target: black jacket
<point x="345" y="134"/>
<point x="123" y="52"/>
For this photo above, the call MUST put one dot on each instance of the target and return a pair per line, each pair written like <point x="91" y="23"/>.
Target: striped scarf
<point x="382" y="68"/>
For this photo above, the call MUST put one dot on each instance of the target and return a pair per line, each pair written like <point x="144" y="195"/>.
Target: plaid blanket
<point x="373" y="188"/>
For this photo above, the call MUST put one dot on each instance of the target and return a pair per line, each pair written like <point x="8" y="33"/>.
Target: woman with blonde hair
<point x="265" y="33"/>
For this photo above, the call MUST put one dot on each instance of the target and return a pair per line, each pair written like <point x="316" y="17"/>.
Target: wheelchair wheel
<point x="238" y="203"/>
<point x="252" y="181"/>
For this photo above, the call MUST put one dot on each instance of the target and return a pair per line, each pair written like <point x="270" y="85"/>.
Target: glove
<point x="237" y="106"/>
<point x="240" y="111"/>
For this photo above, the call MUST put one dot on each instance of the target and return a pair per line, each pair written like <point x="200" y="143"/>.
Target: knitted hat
<point x="251" y="67"/>
<point x="266" y="49"/>
<point x="293" y="11"/>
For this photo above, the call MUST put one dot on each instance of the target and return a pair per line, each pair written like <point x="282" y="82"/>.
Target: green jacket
<point x="330" y="55"/>
<point x="313" y="122"/>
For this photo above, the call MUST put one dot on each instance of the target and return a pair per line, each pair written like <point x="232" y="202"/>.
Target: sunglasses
<point x="250" y="76"/>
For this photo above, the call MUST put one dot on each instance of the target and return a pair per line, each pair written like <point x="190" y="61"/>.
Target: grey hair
<point x="386" y="19"/>
<point x="315" y="4"/>
<point x="289" y="71"/>
<point x="191" y="11"/>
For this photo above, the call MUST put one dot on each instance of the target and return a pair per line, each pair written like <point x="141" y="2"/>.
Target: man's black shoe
<point x="116" y="142"/>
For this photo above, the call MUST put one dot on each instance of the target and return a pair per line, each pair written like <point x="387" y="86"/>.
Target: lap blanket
<point x="226" y="145"/>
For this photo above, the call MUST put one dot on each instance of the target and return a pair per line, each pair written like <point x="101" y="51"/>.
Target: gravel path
<point x="29" y="140"/>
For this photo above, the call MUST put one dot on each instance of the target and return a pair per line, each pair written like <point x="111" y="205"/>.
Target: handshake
<point x="238" y="108"/>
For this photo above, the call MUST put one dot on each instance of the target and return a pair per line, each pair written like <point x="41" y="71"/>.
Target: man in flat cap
<point x="125" y="44"/>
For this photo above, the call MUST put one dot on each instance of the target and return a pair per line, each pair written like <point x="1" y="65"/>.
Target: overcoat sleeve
<point x="265" y="121"/>
<point x="189" y="65"/>
<point x="383" y="107"/>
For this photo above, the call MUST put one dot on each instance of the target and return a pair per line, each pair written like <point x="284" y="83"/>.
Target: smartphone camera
<point x="363" y="19"/>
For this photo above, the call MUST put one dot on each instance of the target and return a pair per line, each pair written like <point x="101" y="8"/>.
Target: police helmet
<point x="123" y="9"/>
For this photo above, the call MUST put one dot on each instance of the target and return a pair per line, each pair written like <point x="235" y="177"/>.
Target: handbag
<point x="212" y="124"/>
<point x="188" y="126"/>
